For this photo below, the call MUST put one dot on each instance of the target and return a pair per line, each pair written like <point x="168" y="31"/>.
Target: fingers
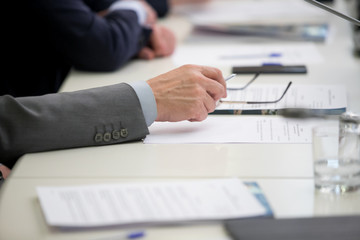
<point x="151" y="15"/>
<point x="210" y="79"/>
<point x="215" y="89"/>
<point x="184" y="2"/>
<point x="146" y="53"/>
<point x="209" y="104"/>
<point x="162" y="41"/>
<point x="186" y="93"/>
<point x="5" y="171"/>
<point x="206" y="106"/>
<point x="213" y="86"/>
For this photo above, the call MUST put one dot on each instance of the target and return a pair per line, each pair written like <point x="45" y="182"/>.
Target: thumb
<point x="146" y="53"/>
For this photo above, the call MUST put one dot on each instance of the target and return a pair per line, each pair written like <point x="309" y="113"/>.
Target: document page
<point x="141" y="203"/>
<point x="251" y="12"/>
<point x="231" y="129"/>
<point x="298" y="96"/>
<point x="247" y="54"/>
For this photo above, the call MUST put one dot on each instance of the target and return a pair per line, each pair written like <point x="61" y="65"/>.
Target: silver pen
<point x="230" y="77"/>
<point x="226" y="79"/>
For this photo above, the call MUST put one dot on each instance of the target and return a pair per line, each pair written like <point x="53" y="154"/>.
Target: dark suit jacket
<point x="91" y="117"/>
<point x="44" y="39"/>
<point x="161" y="6"/>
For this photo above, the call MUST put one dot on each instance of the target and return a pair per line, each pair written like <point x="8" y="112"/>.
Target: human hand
<point x="181" y="2"/>
<point x="189" y="93"/>
<point x="151" y="15"/>
<point x="5" y="171"/>
<point x="162" y="43"/>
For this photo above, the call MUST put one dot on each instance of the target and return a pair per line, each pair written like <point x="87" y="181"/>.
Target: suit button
<point x="124" y="132"/>
<point x="107" y="137"/>
<point x="115" y="135"/>
<point x="98" y="137"/>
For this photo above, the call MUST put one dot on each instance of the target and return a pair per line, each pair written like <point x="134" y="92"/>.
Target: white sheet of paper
<point x="140" y="203"/>
<point x="298" y="96"/>
<point x="250" y="11"/>
<point x="231" y="129"/>
<point x="247" y="54"/>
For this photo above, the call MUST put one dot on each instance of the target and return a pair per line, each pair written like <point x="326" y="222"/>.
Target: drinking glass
<point x="336" y="155"/>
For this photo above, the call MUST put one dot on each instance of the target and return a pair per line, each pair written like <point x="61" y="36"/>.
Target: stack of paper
<point x="252" y="11"/>
<point x="263" y="18"/>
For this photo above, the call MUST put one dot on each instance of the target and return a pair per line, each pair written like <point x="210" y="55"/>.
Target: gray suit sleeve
<point x="98" y="116"/>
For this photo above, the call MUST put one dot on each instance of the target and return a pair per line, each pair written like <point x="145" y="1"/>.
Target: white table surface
<point x="284" y="171"/>
<point x="21" y="216"/>
<point x="244" y="160"/>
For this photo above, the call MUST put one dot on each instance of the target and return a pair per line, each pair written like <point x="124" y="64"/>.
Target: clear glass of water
<point x="336" y="155"/>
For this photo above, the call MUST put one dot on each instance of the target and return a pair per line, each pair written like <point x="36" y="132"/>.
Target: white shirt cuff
<point x="131" y="5"/>
<point x="147" y="100"/>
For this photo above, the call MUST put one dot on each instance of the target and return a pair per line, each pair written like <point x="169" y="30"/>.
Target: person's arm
<point x="89" y="41"/>
<point x="106" y="115"/>
<point x="99" y="5"/>
<point x="91" y="117"/>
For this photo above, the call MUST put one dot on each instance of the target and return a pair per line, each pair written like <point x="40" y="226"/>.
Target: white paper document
<point x="141" y="203"/>
<point x="231" y="129"/>
<point x="322" y="97"/>
<point x="247" y="54"/>
<point x="252" y="12"/>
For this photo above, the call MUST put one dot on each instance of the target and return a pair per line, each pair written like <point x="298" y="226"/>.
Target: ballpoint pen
<point x="124" y="236"/>
<point x="252" y="56"/>
<point x="230" y="77"/>
<point x="226" y="79"/>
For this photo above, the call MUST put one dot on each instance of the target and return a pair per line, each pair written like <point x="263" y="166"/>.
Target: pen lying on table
<point x="124" y="236"/>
